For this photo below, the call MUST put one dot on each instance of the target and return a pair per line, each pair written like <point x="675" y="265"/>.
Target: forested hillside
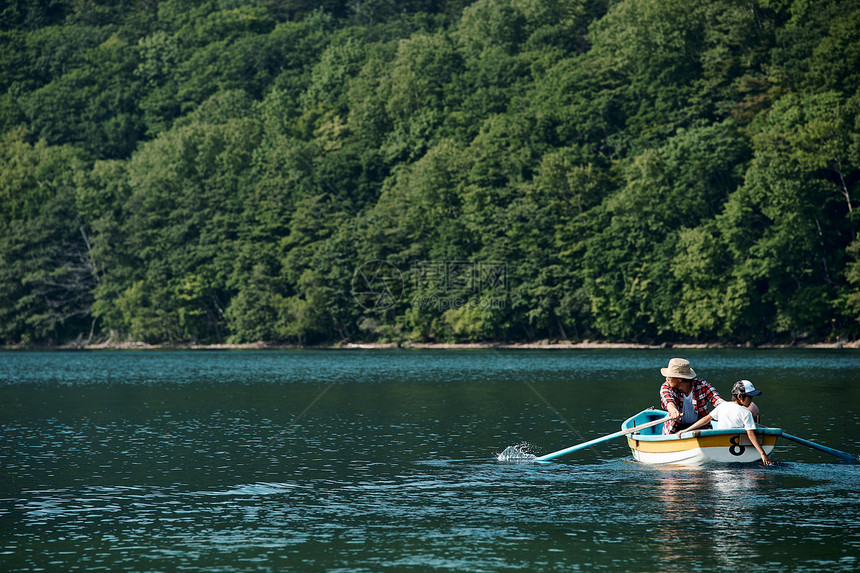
<point x="313" y="172"/>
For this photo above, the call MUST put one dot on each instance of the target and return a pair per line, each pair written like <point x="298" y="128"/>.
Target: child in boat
<point x="736" y="414"/>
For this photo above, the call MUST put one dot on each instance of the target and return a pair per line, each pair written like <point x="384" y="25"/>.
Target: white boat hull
<point x="697" y="447"/>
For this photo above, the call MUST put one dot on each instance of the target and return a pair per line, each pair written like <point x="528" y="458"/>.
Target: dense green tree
<point x="850" y="297"/>
<point x="177" y="170"/>
<point x="47" y="275"/>
<point x="32" y="14"/>
<point x="634" y="285"/>
<point x="93" y="105"/>
<point x="787" y="227"/>
<point x="181" y="220"/>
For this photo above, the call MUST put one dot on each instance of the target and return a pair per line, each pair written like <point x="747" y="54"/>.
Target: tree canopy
<point x="462" y="170"/>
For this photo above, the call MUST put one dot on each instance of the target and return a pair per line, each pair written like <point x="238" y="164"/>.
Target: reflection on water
<point x="709" y="513"/>
<point x="169" y="461"/>
<point x="728" y="518"/>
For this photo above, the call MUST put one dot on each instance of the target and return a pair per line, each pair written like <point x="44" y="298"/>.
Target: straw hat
<point x="678" y="368"/>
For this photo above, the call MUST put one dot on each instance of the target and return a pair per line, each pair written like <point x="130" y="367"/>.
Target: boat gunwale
<point x="701" y="434"/>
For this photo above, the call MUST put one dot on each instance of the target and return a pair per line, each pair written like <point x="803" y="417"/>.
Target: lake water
<point x="386" y="461"/>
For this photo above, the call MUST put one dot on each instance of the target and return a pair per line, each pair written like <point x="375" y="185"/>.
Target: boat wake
<point x="518" y="453"/>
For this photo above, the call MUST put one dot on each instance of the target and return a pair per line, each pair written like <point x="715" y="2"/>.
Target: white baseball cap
<point x="745" y="387"/>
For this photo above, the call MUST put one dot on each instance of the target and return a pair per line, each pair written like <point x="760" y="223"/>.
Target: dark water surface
<point x="385" y="461"/>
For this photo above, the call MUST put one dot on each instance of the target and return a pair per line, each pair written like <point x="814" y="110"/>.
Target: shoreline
<point x="536" y="345"/>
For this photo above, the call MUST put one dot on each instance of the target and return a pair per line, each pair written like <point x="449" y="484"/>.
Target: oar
<point x="583" y="445"/>
<point x="813" y="445"/>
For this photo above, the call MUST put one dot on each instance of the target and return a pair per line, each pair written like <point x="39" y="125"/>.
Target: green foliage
<point x="788" y="226"/>
<point x="636" y="169"/>
<point x="47" y="275"/>
<point x="851" y="296"/>
<point x="181" y="220"/>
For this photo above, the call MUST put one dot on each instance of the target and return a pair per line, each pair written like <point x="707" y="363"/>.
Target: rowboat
<point x="698" y="447"/>
<point x="644" y="433"/>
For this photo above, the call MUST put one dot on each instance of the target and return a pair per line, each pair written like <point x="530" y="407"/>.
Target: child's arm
<point x="754" y="439"/>
<point x="698" y="424"/>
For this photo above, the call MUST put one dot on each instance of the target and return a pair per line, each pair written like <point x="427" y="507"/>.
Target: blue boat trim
<point x="703" y="434"/>
<point x="655" y="433"/>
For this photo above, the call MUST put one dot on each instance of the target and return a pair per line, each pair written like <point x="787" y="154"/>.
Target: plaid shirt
<point x="702" y="394"/>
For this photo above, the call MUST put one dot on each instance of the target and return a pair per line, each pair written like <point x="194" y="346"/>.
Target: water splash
<point x="518" y="453"/>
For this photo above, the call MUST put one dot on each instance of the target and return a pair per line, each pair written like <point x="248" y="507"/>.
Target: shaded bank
<point x="537" y="345"/>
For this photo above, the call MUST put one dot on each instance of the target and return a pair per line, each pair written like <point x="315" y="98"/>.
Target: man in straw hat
<point x="684" y="396"/>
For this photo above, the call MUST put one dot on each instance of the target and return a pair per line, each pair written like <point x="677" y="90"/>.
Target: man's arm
<point x="666" y="400"/>
<point x="712" y="395"/>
